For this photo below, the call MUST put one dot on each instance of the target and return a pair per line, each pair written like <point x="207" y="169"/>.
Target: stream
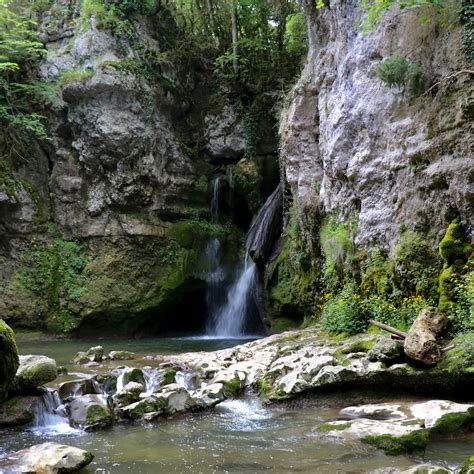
<point x="238" y="436"/>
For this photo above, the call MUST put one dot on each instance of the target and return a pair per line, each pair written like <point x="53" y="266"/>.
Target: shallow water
<point x="239" y="436"/>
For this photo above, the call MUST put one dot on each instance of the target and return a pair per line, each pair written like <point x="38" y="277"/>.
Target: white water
<point x="230" y="321"/>
<point x="47" y="420"/>
<point x="227" y="319"/>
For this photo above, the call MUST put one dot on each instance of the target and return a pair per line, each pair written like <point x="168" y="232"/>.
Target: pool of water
<point x="238" y="436"/>
<point x="63" y="350"/>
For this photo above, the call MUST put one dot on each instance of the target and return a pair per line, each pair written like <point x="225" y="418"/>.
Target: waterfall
<point x="229" y="319"/>
<point x="47" y="418"/>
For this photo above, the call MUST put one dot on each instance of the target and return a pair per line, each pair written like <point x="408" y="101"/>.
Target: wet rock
<point x="94" y="354"/>
<point x="107" y="383"/>
<point x="174" y="398"/>
<point x="18" y="410"/>
<point x="34" y="371"/>
<point x="147" y="406"/>
<point x="386" y="350"/>
<point x="400" y="428"/>
<point x="209" y="396"/>
<point x="121" y="355"/>
<point x="47" y="458"/>
<point x="232" y="380"/>
<point x="134" y="375"/>
<point x="90" y="412"/>
<point x="129" y="394"/>
<point x="420" y="343"/>
<point x="427" y="469"/>
<point x="76" y="388"/>
<point x="62" y="371"/>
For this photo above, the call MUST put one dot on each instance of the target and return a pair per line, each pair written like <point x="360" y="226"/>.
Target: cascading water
<point x="229" y="319"/>
<point x="47" y="418"/>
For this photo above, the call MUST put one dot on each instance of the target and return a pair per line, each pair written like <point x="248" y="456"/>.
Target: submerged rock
<point x="47" y="458"/>
<point x="90" y="412"/>
<point x="34" y="371"/>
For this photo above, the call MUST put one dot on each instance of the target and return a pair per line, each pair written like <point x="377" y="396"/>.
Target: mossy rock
<point x="453" y="246"/>
<point x="283" y="324"/>
<point x="9" y="360"/>
<point x="134" y="375"/>
<point x="412" y="443"/>
<point x="454" y="422"/>
<point x="34" y="371"/>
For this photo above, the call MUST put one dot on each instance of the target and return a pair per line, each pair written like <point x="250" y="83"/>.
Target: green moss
<point x="453" y="245"/>
<point x="169" y="377"/>
<point x="134" y="375"/>
<point x="246" y="182"/>
<point x="97" y="414"/>
<point x="74" y="75"/>
<point x="414" y="442"/>
<point x="233" y="386"/>
<point x="264" y="387"/>
<point x="8" y="359"/>
<point x="283" y="324"/>
<point x="453" y="422"/>
<point x="326" y="427"/>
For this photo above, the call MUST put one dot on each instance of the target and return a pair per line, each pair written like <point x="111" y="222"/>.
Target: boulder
<point x="76" y="388"/>
<point x="133" y="375"/>
<point x="174" y="398"/>
<point x="90" y="412"/>
<point x="8" y="359"/>
<point x="209" y="396"/>
<point x="107" y="383"/>
<point x="19" y="410"/>
<point x="47" y="458"/>
<point x="420" y="343"/>
<point x="34" y="371"/>
<point x="386" y="350"/>
<point x="121" y="355"/>
<point x="94" y="354"/>
<point x="147" y="406"/>
<point x="129" y="394"/>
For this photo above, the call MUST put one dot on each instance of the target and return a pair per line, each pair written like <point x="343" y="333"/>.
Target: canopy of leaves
<point x="20" y="90"/>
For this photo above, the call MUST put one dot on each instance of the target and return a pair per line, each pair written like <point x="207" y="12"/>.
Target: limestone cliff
<point x="104" y="225"/>
<point x="353" y="147"/>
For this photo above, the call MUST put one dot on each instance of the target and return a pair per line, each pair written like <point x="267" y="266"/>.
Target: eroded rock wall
<point x="354" y="148"/>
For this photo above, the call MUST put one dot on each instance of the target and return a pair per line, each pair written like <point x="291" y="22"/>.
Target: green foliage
<point x="344" y="313"/>
<point x="296" y="34"/>
<point x="396" y="71"/>
<point x="373" y="10"/>
<point x="338" y="248"/>
<point x="466" y="16"/>
<point x="453" y="245"/>
<point x="74" y="75"/>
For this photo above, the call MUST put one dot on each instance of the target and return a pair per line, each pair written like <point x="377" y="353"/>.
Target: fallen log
<point x="390" y="329"/>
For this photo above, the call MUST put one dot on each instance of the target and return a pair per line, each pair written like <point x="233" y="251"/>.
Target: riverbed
<point x="238" y="436"/>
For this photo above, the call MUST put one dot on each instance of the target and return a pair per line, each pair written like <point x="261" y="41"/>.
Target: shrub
<point x="338" y="248"/>
<point x="396" y="71"/>
<point x="393" y="71"/>
<point x="345" y="313"/>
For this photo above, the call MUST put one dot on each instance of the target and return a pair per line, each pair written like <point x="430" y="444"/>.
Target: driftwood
<point x="420" y="343"/>
<point x="390" y="329"/>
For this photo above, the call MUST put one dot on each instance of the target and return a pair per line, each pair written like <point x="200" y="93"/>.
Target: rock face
<point x="18" y="410"/>
<point x="90" y="412"/>
<point x="8" y="359"/>
<point x="120" y="184"/>
<point x="34" y="371"/>
<point x="357" y="149"/>
<point x="47" y="458"/>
